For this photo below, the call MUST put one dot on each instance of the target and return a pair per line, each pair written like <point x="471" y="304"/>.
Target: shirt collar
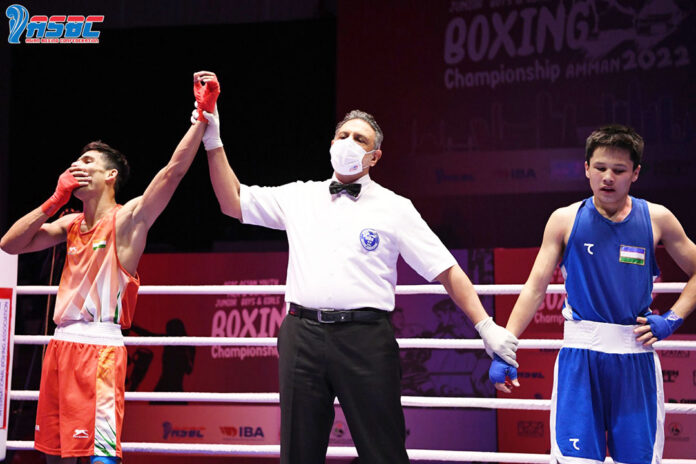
<point x="364" y="180"/>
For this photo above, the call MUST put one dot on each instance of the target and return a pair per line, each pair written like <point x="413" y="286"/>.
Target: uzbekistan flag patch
<point x="632" y="255"/>
<point x="98" y="244"/>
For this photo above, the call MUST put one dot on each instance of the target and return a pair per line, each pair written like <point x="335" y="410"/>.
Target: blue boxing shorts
<point x="607" y="392"/>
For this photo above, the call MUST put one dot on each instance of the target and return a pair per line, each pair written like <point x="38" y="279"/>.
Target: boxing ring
<point x="336" y="452"/>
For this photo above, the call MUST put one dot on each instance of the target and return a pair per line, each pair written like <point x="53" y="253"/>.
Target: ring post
<point x="8" y="291"/>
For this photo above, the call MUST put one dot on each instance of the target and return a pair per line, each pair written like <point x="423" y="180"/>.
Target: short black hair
<point x="114" y="160"/>
<point x="616" y="135"/>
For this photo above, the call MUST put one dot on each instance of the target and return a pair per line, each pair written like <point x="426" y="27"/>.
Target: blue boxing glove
<point x="500" y="370"/>
<point x="662" y="326"/>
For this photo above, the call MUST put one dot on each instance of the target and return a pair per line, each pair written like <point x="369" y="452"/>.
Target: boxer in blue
<point x="607" y="380"/>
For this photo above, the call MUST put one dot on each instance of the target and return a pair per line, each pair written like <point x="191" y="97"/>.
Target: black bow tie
<point x="351" y="189"/>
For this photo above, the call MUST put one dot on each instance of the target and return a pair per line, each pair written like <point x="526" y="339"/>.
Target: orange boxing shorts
<point x="81" y="399"/>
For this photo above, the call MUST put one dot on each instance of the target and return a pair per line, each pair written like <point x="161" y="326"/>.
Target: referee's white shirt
<point x="343" y="250"/>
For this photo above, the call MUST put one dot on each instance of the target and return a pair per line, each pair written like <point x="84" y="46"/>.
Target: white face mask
<point x="347" y="156"/>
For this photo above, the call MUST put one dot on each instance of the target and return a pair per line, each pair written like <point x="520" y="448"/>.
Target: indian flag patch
<point x="98" y="244"/>
<point x="632" y="255"/>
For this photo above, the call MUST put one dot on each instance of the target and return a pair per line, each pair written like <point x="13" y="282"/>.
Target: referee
<point x="345" y="235"/>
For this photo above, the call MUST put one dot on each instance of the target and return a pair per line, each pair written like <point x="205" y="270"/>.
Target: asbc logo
<point x="54" y="29"/>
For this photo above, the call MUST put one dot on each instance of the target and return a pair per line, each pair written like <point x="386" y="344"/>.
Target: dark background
<point x="281" y="64"/>
<point x="277" y="63"/>
<point x="133" y="90"/>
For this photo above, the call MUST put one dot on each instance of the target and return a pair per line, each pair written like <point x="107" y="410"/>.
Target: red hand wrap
<point x="66" y="184"/>
<point x="206" y="96"/>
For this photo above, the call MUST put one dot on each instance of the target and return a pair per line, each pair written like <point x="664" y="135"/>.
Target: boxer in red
<point x="81" y="398"/>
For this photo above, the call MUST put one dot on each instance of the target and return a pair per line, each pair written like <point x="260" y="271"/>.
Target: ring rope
<point x="407" y="401"/>
<point x="404" y="343"/>
<point x="334" y="452"/>
<point x="493" y="289"/>
<point x="339" y="452"/>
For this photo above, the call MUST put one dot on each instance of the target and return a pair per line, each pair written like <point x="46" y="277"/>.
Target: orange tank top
<point x="94" y="286"/>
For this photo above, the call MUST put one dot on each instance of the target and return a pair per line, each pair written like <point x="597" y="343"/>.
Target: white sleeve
<point x="265" y="206"/>
<point x="420" y="247"/>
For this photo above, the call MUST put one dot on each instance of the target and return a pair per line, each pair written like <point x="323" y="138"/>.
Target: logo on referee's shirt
<point x="369" y="239"/>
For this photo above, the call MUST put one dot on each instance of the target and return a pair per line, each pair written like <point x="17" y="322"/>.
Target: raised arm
<point x="31" y="232"/>
<point x="137" y="216"/>
<point x="224" y="180"/>
<point x="146" y="208"/>
<point x="668" y="230"/>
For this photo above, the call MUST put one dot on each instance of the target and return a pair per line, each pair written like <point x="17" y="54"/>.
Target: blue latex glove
<point x="662" y="326"/>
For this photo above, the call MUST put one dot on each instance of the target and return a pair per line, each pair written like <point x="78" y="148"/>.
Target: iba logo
<point x="243" y="431"/>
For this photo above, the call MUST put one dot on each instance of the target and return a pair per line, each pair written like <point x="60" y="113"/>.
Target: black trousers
<point x="358" y="362"/>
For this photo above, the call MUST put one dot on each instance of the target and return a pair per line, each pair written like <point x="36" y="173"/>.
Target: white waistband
<point x="92" y="333"/>
<point x="600" y="336"/>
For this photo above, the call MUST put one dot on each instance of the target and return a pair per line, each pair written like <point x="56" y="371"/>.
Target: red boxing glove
<point x="66" y="184"/>
<point x="206" y="96"/>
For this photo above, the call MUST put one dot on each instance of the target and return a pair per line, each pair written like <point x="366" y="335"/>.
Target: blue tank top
<point x="609" y="267"/>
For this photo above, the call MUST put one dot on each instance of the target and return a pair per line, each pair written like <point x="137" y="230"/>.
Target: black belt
<point x="331" y="316"/>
